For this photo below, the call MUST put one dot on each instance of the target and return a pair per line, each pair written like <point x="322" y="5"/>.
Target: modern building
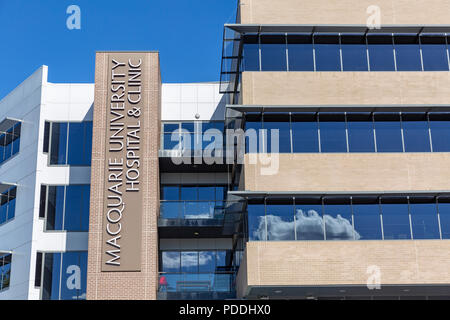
<point x="316" y="169"/>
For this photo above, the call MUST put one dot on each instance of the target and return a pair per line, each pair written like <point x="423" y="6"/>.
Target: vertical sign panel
<point x="123" y="199"/>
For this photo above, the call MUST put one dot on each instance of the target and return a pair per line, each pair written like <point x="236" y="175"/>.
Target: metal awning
<point x="325" y="28"/>
<point x="341" y="108"/>
<point x="8" y="123"/>
<point x="6" y="252"/>
<point x="4" y="186"/>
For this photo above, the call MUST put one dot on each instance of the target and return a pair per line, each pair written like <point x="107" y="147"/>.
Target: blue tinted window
<point x="333" y="136"/>
<point x="256" y="222"/>
<point x="354" y="53"/>
<point x="3" y="209"/>
<point x="396" y="221"/>
<point x="171" y="261"/>
<point x="424" y="221"/>
<point x="444" y="216"/>
<point x="300" y="53"/>
<point x="58" y="143"/>
<point x="407" y="51"/>
<point x="434" y="53"/>
<point x="189" y="193"/>
<point x="280" y="222"/>
<point x="16" y="142"/>
<point x="415" y="132"/>
<point x="253" y="125"/>
<point x="440" y="132"/>
<point x="73" y="276"/>
<point x="65" y="276"/>
<point x="273" y="53"/>
<point x="172" y="141"/>
<point x="338" y="221"/>
<point x="381" y="53"/>
<point x="251" y="53"/>
<point x="76" y="152"/>
<point x="360" y="133"/>
<point x="55" y="208"/>
<point x="305" y="137"/>
<point x="280" y="123"/>
<point x="206" y="193"/>
<point x="171" y="127"/>
<point x="327" y="53"/>
<point x="2" y="147"/>
<point x="76" y="217"/>
<point x="189" y="262"/>
<point x="388" y="133"/>
<point x="171" y="210"/>
<point x="206" y="261"/>
<point x="308" y="221"/>
<point x="170" y="193"/>
<point x="367" y="221"/>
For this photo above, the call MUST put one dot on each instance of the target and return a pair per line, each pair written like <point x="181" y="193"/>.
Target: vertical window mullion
<point x="446" y="47"/>
<point x="420" y="50"/>
<point x="318" y="132"/>
<point x="287" y="52"/>
<point x="395" y="53"/>
<point x="50" y="132"/>
<point x="259" y="51"/>
<point x="295" y="219"/>
<point x="410" y="218"/>
<point x="401" y="130"/>
<point x="60" y="275"/>
<point x="64" y="209"/>
<point x="265" y="218"/>
<point x="346" y="132"/>
<point x="429" y="131"/>
<point x="67" y="143"/>
<point x="439" y="218"/>
<point x="314" y="52"/>
<point x="367" y="52"/>
<point x="381" y="218"/>
<point x="374" y="133"/>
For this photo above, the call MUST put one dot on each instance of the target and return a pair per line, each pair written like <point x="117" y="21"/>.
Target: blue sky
<point x="187" y="33"/>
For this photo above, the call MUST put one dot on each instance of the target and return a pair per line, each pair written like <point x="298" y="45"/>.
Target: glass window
<point x="424" y="221"/>
<point x="58" y="146"/>
<point x="395" y="220"/>
<point x="171" y="209"/>
<point x="206" y="261"/>
<point x="5" y="271"/>
<point x="189" y="262"/>
<point x="172" y="141"/>
<point x="206" y="193"/>
<point x="434" y="53"/>
<point x="381" y="53"/>
<point x="354" y="53"/>
<point x="360" y="133"/>
<point x="300" y="52"/>
<point x="333" y="137"/>
<point x="415" y="132"/>
<point x="308" y="221"/>
<point x="256" y="222"/>
<point x="280" y="221"/>
<point x="305" y="137"/>
<point x="189" y="193"/>
<point x="2" y="147"/>
<point x="440" y="132"/>
<point x="16" y="141"/>
<point x="68" y="208"/>
<point x="77" y="153"/>
<point x="76" y="217"/>
<point x="251" y="53"/>
<point x="327" y="53"/>
<point x="171" y="261"/>
<point x="444" y="216"/>
<point x="367" y="220"/>
<point x="170" y="193"/>
<point x="253" y="125"/>
<point x="281" y="123"/>
<point x="55" y="208"/>
<point x="338" y="220"/>
<point x="407" y="51"/>
<point x="273" y="53"/>
<point x="388" y="133"/>
<point x="65" y="276"/>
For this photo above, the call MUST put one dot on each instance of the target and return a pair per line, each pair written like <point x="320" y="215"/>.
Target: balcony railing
<point x="197" y="282"/>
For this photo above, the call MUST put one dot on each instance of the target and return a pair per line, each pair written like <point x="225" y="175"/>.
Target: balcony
<point x="194" y="286"/>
